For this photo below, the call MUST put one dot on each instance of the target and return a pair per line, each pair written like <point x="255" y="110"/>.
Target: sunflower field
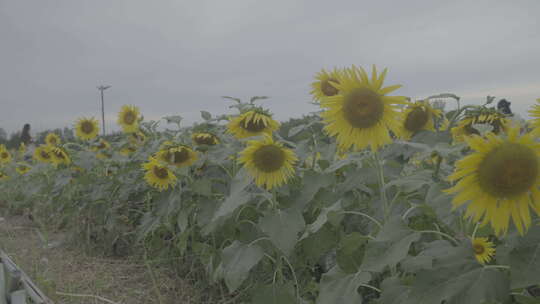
<point x="374" y="199"/>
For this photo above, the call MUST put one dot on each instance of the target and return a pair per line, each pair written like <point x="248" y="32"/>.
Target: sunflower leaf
<point x="238" y="259"/>
<point x="522" y="254"/>
<point x="283" y="227"/>
<point x="338" y="287"/>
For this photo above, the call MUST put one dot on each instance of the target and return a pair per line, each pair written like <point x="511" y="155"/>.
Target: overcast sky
<point x="173" y="57"/>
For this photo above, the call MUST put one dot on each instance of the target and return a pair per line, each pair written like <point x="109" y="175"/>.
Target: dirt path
<point x="61" y="270"/>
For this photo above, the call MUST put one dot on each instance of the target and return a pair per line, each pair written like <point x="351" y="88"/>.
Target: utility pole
<point x="101" y="89"/>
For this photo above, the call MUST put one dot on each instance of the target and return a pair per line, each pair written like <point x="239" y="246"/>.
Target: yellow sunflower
<point x="43" y="154"/>
<point x="3" y="176"/>
<point x="128" y="150"/>
<point x="417" y="117"/>
<point x="23" y="168"/>
<point x="5" y="156"/>
<point x="59" y="156"/>
<point x="465" y="127"/>
<point x="268" y="162"/>
<point x="252" y="123"/>
<point x="180" y="156"/>
<point x="483" y="249"/>
<point x="500" y="180"/>
<point x="205" y="138"/>
<point x="158" y="175"/>
<point x="52" y="139"/>
<point x="361" y="114"/>
<point x="535" y="114"/>
<point x="137" y="138"/>
<point x="323" y="87"/>
<point x="102" y="145"/>
<point x="87" y="128"/>
<point x="128" y="119"/>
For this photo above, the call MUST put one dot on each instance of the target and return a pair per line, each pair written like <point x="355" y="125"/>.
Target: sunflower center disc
<point x="129" y="117"/>
<point x="180" y="156"/>
<point x="5" y="155"/>
<point x="204" y="140"/>
<point x="45" y="155"/>
<point x="161" y="172"/>
<point x="253" y="126"/>
<point x="269" y="158"/>
<point x="327" y="88"/>
<point x="363" y="108"/>
<point x="87" y="127"/>
<point x="59" y="154"/>
<point x="509" y="170"/>
<point x="478" y="249"/>
<point x="416" y="119"/>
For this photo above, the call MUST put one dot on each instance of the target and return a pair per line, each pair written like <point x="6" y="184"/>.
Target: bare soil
<point x="68" y="275"/>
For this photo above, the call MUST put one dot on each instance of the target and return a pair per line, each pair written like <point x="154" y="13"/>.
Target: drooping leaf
<point x="237" y="261"/>
<point x="283" y="227"/>
<point x="338" y="287"/>
<point x="206" y="115"/>
<point x="522" y="254"/>
<point x="390" y="246"/>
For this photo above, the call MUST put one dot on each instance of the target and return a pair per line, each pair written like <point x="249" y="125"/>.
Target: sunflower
<point x="59" y="156"/>
<point x="323" y="87"/>
<point x="23" y="168"/>
<point x="268" y="162"/>
<point x="361" y="114"/>
<point x="3" y="176"/>
<point x="483" y="249"/>
<point x="252" y="123"/>
<point x="465" y="127"/>
<point x="43" y="154"/>
<point x="128" y="150"/>
<point x="137" y="138"/>
<point x="158" y="175"/>
<point x="52" y="139"/>
<point x="535" y="114"/>
<point x="128" y="119"/>
<point x="180" y="156"/>
<point x="205" y="138"/>
<point x="5" y="156"/>
<point x="500" y="180"/>
<point x="102" y="145"/>
<point x="87" y="128"/>
<point x="417" y="117"/>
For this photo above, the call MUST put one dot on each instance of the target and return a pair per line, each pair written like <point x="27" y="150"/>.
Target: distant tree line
<point x="13" y="140"/>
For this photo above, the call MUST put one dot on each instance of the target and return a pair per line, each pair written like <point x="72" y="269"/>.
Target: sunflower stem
<point x="380" y="175"/>
<point x="474" y="231"/>
<point x="364" y="215"/>
<point x="441" y="234"/>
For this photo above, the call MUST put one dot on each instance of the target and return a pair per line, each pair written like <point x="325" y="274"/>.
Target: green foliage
<point x="358" y="229"/>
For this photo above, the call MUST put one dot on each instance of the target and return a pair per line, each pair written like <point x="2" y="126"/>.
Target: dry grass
<point x="70" y="270"/>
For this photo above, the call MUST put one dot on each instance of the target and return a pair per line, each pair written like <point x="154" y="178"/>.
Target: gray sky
<point x="178" y="57"/>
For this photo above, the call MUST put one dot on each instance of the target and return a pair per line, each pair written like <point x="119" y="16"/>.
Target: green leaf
<point x="321" y="219"/>
<point x="237" y="261"/>
<point x="173" y="119"/>
<point x="459" y="286"/>
<point x="393" y="291"/>
<point x="312" y="182"/>
<point x="274" y="294"/>
<point x="390" y="247"/>
<point x="522" y="254"/>
<point x="350" y="252"/>
<point x="283" y="226"/>
<point x="338" y="287"/>
<point x="237" y="197"/>
<point x="206" y="115"/>
<point x="295" y="130"/>
<point x="202" y="187"/>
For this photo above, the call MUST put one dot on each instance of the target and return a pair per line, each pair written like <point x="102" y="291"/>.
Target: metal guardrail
<point x="16" y="287"/>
